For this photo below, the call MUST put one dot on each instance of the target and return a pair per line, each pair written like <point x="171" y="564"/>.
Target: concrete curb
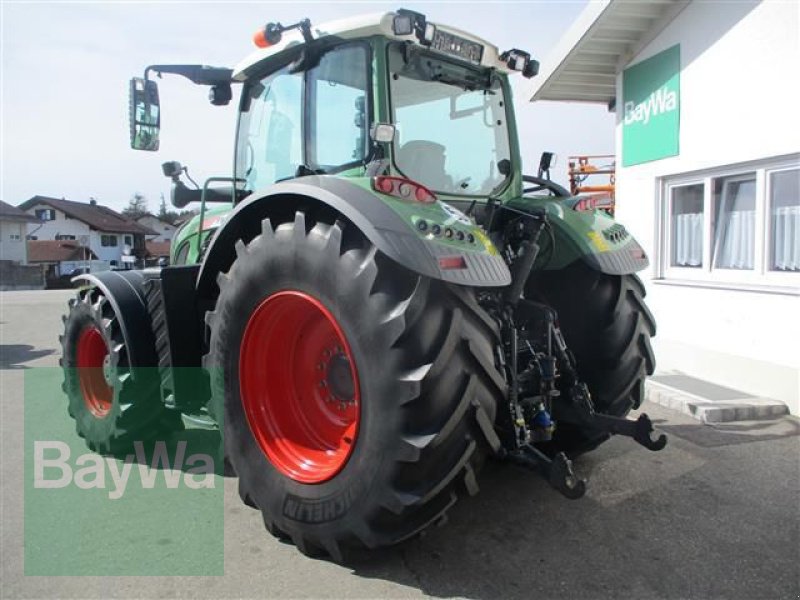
<point x="714" y="411"/>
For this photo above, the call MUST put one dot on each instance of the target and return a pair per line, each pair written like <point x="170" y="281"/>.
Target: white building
<point x="708" y="173"/>
<point x="108" y="234"/>
<point x="165" y="231"/>
<point x="13" y="227"/>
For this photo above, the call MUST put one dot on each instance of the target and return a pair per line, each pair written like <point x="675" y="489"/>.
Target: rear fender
<point x="593" y="237"/>
<point x="381" y="225"/>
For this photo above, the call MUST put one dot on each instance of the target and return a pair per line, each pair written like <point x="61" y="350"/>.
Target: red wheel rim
<point x="91" y="359"/>
<point x="299" y="387"/>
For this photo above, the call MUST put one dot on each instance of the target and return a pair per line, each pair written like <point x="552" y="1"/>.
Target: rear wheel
<point x="608" y="327"/>
<point x="113" y="402"/>
<point x="351" y="389"/>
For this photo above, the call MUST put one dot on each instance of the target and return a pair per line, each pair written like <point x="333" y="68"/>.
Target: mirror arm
<point x="199" y="74"/>
<point x="183" y="195"/>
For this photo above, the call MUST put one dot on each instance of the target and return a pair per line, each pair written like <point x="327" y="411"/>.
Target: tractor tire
<point x="112" y="402"/>
<point x="607" y="327"/>
<point x="356" y="398"/>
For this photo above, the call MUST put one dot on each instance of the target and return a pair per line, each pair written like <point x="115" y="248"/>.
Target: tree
<point x="137" y="206"/>
<point x="162" y="209"/>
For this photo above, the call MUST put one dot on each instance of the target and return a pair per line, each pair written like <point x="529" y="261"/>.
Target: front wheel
<point x="114" y="402"/>
<point x="350" y="388"/>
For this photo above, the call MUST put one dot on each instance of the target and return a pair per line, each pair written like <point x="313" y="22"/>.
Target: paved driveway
<point x="716" y="514"/>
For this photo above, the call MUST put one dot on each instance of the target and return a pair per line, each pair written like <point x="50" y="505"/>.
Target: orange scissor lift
<point x="598" y="195"/>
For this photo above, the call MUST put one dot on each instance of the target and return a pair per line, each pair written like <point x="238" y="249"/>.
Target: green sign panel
<point x="651" y="92"/>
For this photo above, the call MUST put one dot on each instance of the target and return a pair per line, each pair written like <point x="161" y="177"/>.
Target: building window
<point x="784" y="220"/>
<point x="45" y="214"/>
<point x="108" y="241"/>
<point x="733" y="225"/>
<point x="128" y="240"/>
<point x="686" y="215"/>
<point x="62" y="236"/>
<point x="15" y="237"/>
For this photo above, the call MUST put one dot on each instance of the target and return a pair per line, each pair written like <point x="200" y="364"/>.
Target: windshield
<point x="451" y="123"/>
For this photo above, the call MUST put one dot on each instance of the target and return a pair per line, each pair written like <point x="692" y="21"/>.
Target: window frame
<point x="768" y="213"/>
<point x="666" y="217"/>
<point x="761" y="275"/>
<point x="507" y="111"/>
<point x="309" y="101"/>
<point x="108" y="237"/>
<point x="758" y="239"/>
<point x="271" y="67"/>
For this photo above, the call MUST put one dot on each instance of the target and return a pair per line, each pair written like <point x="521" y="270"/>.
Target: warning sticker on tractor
<point x="598" y="241"/>
<point x="490" y="247"/>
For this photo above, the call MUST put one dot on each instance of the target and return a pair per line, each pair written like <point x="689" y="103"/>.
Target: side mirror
<point x="547" y="160"/>
<point x="144" y="114"/>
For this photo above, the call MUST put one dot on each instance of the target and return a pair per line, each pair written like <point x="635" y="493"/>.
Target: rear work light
<point x="403" y="188"/>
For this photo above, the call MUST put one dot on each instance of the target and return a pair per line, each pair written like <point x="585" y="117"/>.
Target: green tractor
<point x="379" y="298"/>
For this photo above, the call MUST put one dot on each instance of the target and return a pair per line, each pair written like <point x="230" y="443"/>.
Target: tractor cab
<point x="389" y="93"/>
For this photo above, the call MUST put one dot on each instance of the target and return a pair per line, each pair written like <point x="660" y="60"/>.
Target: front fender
<point x="384" y="227"/>
<point x="125" y="290"/>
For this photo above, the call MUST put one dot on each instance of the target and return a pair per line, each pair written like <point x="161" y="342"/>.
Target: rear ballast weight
<point x="379" y="304"/>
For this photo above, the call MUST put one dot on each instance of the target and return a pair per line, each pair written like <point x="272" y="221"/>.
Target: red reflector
<point x="447" y="263"/>
<point x="403" y="188"/>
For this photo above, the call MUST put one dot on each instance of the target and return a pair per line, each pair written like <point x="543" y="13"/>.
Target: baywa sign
<point x="651" y="104"/>
<point x="659" y="102"/>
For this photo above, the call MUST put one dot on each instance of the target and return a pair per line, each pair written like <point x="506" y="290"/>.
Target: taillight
<point x="403" y="188"/>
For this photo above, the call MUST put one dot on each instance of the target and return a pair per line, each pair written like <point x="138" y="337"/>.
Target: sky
<point x="66" y="65"/>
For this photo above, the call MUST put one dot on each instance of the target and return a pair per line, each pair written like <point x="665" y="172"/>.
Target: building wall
<point x="63" y="225"/>
<point x="12" y="241"/>
<point x="165" y="230"/>
<point x="739" y="90"/>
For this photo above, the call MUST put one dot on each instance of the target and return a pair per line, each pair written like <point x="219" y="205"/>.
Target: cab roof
<point x="361" y="27"/>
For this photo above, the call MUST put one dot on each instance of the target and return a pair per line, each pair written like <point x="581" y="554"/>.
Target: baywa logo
<point x="89" y="470"/>
<point x="663" y="100"/>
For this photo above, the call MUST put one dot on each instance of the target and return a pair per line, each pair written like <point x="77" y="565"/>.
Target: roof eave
<point x="602" y="40"/>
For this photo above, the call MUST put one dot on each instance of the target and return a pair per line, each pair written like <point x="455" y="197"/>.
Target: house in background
<point x="708" y="174"/>
<point x="13" y="229"/>
<point x="15" y="273"/>
<point x="157" y="251"/>
<point x="164" y="230"/>
<point x="63" y="259"/>
<point x="115" y="240"/>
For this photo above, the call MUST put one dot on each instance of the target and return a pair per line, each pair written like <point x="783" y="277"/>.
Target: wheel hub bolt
<point x="107" y="370"/>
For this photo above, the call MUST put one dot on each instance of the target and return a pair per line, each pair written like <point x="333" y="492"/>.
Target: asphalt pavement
<point x="714" y="515"/>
